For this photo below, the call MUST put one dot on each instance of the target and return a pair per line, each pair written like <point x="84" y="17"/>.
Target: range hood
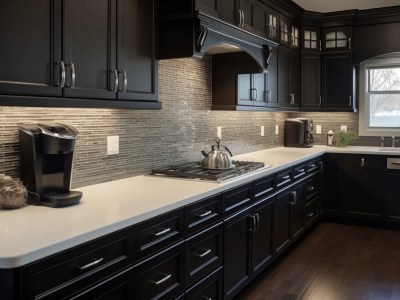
<point x="195" y="34"/>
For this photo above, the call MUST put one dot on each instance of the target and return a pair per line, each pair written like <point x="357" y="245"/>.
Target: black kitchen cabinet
<point x="252" y="17"/>
<point x="289" y="216"/>
<point x="311" y="39"/>
<point x="209" y="7"/>
<point x="273" y="32"/>
<point x="250" y="90"/>
<point x="207" y="288"/>
<point x="333" y="169"/>
<point x="337" y="81"/>
<point x="78" y="57"/>
<point x="392" y="189"/>
<point x="247" y="245"/>
<point x="311" y="80"/>
<point x="289" y="33"/>
<point x="337" y="38"/>
<point x="288" y="78"/>
<point x="28" y="54"/>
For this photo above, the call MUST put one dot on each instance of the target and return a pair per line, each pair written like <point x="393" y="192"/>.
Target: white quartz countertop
<point x="34" y="232"/>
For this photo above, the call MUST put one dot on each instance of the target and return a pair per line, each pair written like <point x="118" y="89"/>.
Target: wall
<point x="148" y="139"/>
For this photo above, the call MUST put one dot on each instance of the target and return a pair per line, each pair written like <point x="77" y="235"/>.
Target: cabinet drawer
<point x="208" y="288"/>
<point x="264" y="187"/>
<point x="158" y="233"/>
<point x="236" y="199"/>
<point x="203" y="253"/>
<point x="299" y="172"/>
<point x="311" y="211"/>
<point x="162" y="276"/>
<point x="283" y="179"/>
<point x="70" y="271"/>
<point x="313" y="187"/>
<point x="203" y="213"/>
<point x="314" y="166"/>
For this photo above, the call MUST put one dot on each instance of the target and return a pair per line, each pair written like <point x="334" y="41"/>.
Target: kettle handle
<point x="229" y="151"/>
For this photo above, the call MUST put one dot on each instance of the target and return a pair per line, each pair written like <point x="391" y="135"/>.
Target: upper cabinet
<point x="311" y="39"/>
<point x="80" y="56"/>
<point x="289" y="33"/>
<point x="288" y="78"/>
<point x="337" y="38"/>
<point x="272" y="19"/>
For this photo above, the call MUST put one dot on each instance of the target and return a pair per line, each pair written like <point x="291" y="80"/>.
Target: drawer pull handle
<point x="162" y="280"/>
<point x="300" y="170"/>
<point x="204" y="214"/>
<point x="310" y="189"/>
<point x="91" y="264"/>
<point x="310" y="215"/>
<point x="395" y="163"/>
<point x="205" y="253"/>
<point x="162" y="232"/>
<point x="312" y="165"/>
<point x="286" y="177"/>
<point x="206" y="298"/>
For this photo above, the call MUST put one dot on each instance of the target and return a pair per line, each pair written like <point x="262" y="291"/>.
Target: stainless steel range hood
<point x="195" y="34"/>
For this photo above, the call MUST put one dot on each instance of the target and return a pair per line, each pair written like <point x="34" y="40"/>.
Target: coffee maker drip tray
<point x="195" y="170"/>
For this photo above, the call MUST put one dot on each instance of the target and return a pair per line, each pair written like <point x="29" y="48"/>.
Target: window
<point x="380" y="96"/>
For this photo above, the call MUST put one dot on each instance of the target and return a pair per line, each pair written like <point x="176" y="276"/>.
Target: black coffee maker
<point x="47" y="151"/>
<point x="298" y="133"/>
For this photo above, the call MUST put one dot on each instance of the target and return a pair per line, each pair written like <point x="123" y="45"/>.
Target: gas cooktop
<point x="195" y="170"/>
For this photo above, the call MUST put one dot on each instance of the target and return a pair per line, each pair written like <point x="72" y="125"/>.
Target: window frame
<point x="386" y="61"/>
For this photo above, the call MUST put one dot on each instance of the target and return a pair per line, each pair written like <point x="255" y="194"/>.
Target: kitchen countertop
<point x="34" y="232"/>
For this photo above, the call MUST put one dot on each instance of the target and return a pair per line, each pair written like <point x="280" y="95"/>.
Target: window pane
<point x="342" y="43"/>
<point x="330" y="36"/>
<point x="331" y="44"/>
<point x="314" y="45"/>
<point x="384" y="110"/>
<point x="306" y="35"/>
<point x="384" y="79"/>
<point x="314" y="35"/>
<point x="341" y="35"/>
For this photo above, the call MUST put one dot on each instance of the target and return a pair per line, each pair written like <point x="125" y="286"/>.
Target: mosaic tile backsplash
<point x="148" y="139"/>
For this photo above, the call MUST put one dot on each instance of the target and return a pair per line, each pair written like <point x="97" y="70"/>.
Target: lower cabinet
<point x="208" y="288"/>
<point x="247" y="245"/>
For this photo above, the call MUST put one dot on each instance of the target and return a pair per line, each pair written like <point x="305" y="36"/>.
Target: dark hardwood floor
<point x="335" y="262"/>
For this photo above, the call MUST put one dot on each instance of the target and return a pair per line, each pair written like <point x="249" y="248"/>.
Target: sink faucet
<point x="382" y="141"/>
<point x="394" y="140"/>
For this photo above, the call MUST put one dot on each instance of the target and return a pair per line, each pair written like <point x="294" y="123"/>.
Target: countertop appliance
<point x="195" y="170"/>
<point x="298" y="133"/>
<point x="46" y="151"/>
<point x="217" y="158"/>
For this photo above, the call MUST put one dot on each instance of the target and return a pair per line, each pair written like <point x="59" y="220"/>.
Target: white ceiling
<point x="337" y="5"/>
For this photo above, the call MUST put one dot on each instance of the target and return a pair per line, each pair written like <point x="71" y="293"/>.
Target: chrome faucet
<point x="382" y="141"/>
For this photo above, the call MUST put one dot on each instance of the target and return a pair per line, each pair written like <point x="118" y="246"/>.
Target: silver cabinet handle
<point x="91" y="264"/>
<point x="62" y="81"/>
<point x="162" y="280"/>
<point x="205" y="253"/>
<point x="320" y="101"/>
<point x="125" y="75"/>
<point x="294" y="197"/>
<point x="320" y="45"/>
<point x="349" y="43"/>
<point x="310" y="189"/>
<point x="206" y="298"/>
<point x="312" y="165"/>
<point x="310" y="215"/>
<point x="350" y="100"/>
<point x="256" y="94"/>
<point x="362" y="162"/>
<point x="268" y="96"/>
<point x="242" y="18"/>
<point x="321" y="164"/>
<point x="257" y="221"/>
<point x="239" y="13"/>
<point x="204" y="214"/>
<point x="300" y="170"/>
<point x="286" y="177"/>
<point x="73" y="77"/>
<point x="116" y="82"/>
<point x="162" y="232"/>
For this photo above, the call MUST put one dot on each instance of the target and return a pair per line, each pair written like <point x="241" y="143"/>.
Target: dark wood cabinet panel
<point x="337" y="38"/>
<point x="337" y="81"/>
<point x="236" y="199"/>
<point x="245" y="91"/>
<point x="253" y="17"/>
<point x="271" y="90"/>
<point x="288" y="78"/>
<point x="297" y="202"/>
<point x="311" y="81"/>
<point x="136" y="50"/>
<point x="333" y="183"/>
<point x="363" y="185"/>
<point x="392" y="192"/>
<point x="282" y="233"/>
<point x="261" y="251"/>
<point x="207" y="288"/>
<point x="29" y="52"/>
<point x="237" y="255"/>
<point x="209" y="7"/>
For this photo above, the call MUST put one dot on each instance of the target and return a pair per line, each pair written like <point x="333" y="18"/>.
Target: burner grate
<point x="195" y="170"/>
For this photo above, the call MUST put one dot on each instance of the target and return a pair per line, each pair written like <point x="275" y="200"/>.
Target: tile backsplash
<point x="148" y="139"/>
<point x="152" y="139"/>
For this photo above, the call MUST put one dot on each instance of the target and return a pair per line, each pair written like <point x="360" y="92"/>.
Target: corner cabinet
<point x="78" y="56"/>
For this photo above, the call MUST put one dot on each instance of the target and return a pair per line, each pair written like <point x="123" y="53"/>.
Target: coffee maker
<point x="46" y="152"/>
<point x="298" y="133"/>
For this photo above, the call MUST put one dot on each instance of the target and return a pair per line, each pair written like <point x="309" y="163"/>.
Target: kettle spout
<point x="205" y="154"/>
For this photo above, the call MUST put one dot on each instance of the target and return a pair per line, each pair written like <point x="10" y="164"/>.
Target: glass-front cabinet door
<point x="272" y="25"/>
<point x="311" y="39"/>
<point x="338" y="38"/>
<point x="289" y="33"/>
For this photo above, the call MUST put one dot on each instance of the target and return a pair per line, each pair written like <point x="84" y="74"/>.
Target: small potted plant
<point x="344" y="138"/>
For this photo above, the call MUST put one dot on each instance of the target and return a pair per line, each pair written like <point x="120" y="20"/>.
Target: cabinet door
<point x="86" y="41"/>
<point x="259" y="89"/>
<point x="311" y="39"/>
<point x="245" y="92"/>
<point x="363" y="193"/>
<point x="253" y="17"/>
<point x="261" y="252"/>
<point x="227" y="11"/>
<point x="337" y="81"/>
<point x="288" y="78"/>
<point x="27" y="53"/>
<point x="297" y="195"/>
<point x="282" y="222"/>
<point x="271" y="92"/>
<point x="136" y="50"/>
<point x="392" y="189"/>
<point x="237" y="267"/>
<point x="311" y="80"/>
<point x="209" y="7"/>
<point x="337" y="38"/>
<point x="272" y="20"/>
<point x="333" y="183"/>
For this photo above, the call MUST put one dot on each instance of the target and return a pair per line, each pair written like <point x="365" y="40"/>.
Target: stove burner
<point x="195" y="170"/>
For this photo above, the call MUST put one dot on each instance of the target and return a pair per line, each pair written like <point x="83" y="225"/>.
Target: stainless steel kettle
<point x="217" y="158"/>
